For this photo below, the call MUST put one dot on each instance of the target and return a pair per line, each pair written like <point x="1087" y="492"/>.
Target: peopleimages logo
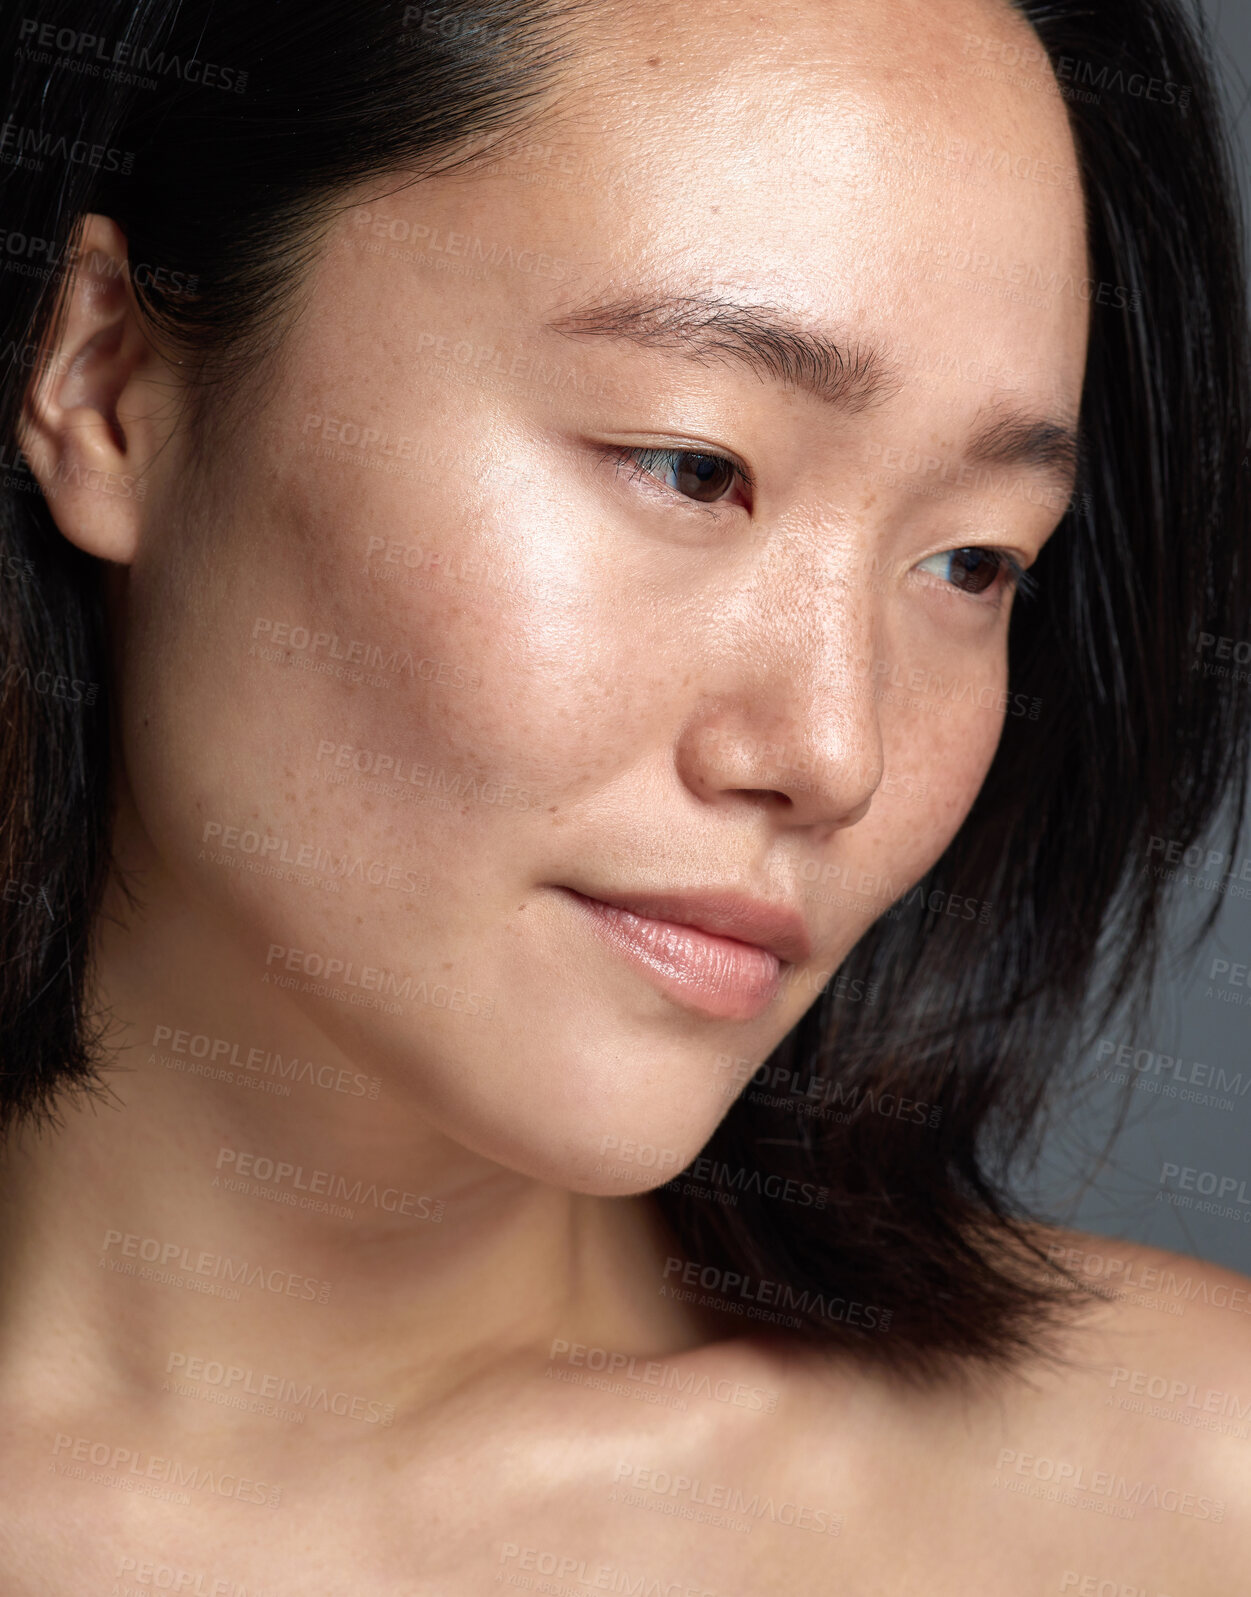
<point x="849" y="1100"/>
<point x="932" y="685"/>
<point x="375" y="979"/>
<point x="309" y="856"/>
<point x="639" y="1153"/>
<point x="29" y="146"/>
<point x="729" y="1284"/>
<point x="1145" y="1061"/>
<point x="1068" y="1477"/>
<point x="722" y="1495"/>
<point x="1226" y="974"/>
<point x="169" y="1258"/>
<point x="1114" y="1277"/>
<point x="223" y="1051"/>
<point x="463" y="246"/>
<point x="133" y="1462"/>
<point x="653" y="1372"/>
<point x="1226" y="1191"/>
<point x="429" y="780"/>
<point x="568" y="1567"/>
<point x="309" y="644"/>
<point x="738" y="1179"/>
<point x="327" y="1183"/>
<point x="147" y="1574"/>
<point x="1084" y="1585"/>
<point x="90" y="52"/>
<point x="1212" y="861"/>
<point x="1183" y="1394"/>
<point x="238" y="1378"/>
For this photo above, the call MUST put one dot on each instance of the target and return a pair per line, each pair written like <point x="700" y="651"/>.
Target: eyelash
<point x="640" y="459"/>
<point x="1015" y="578"/>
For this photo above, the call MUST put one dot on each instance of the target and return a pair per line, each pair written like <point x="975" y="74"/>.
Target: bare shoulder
<point x="1142" y="1417"/>
<point x="1163" y="1308"/>
<point x="1121" y="1455"/>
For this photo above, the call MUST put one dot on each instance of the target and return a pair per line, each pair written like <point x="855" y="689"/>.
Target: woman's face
<point x="435" y="645"/>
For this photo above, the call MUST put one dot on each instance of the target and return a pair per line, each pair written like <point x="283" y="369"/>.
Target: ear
<point x="100" y="408"/>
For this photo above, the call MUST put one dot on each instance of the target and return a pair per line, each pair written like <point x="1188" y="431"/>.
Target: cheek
<point x="422" y="690"/>
<point x="939" y="735"/>
<point x="373" y="773"/>
<point x="947" y="751"/>
<point x="941" y="700"/>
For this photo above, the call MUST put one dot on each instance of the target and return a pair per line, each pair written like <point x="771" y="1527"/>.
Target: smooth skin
<point x="737" y="693"/>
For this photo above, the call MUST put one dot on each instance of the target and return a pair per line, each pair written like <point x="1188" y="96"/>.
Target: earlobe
<point x="89" y="418"/>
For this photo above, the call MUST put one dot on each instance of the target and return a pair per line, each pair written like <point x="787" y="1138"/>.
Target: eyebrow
<point x="851" y="376"/>
<point x="758" y="337"/>
<point x="1048" y="446"/>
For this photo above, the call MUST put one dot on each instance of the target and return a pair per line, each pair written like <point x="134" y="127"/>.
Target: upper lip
<point x="775" y="927"/>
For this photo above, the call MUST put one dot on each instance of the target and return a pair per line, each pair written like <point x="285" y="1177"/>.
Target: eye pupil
<point x="703" y="477"/>
<point x="973" y="569"/>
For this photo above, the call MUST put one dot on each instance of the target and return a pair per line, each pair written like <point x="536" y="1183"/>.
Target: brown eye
<point x="974" y="570"/>
<point x="705" y="478"/>
<point x="981" y="571"/>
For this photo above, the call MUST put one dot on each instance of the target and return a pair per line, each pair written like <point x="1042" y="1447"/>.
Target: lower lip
<point x="716" y="976"/>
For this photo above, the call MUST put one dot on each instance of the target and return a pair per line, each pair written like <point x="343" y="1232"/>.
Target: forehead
<point x="840" y="159"/>
<point x="840" y="164"/>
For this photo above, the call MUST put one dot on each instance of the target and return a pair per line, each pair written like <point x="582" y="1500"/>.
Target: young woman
<point x="540" y="891"/>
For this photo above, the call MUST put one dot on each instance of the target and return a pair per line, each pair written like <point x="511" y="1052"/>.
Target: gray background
<point x="1117" y="1190"/>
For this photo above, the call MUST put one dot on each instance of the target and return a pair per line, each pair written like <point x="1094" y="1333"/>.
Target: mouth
<point x="719" y="954"/>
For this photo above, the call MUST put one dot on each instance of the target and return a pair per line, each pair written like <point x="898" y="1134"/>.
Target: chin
<point x="588" y="1130"/>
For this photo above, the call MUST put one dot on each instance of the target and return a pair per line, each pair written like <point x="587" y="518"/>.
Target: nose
<point x="791" y="721"/>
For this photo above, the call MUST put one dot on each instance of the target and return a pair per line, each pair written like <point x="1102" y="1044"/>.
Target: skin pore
<point x="426" y="553"/>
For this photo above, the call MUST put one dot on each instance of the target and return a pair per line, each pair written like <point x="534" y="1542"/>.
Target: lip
<point x="774" y="927"/>
<point x="716" y="952"/>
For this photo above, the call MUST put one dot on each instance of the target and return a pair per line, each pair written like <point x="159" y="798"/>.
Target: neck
<point x="242" y="1189"/>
